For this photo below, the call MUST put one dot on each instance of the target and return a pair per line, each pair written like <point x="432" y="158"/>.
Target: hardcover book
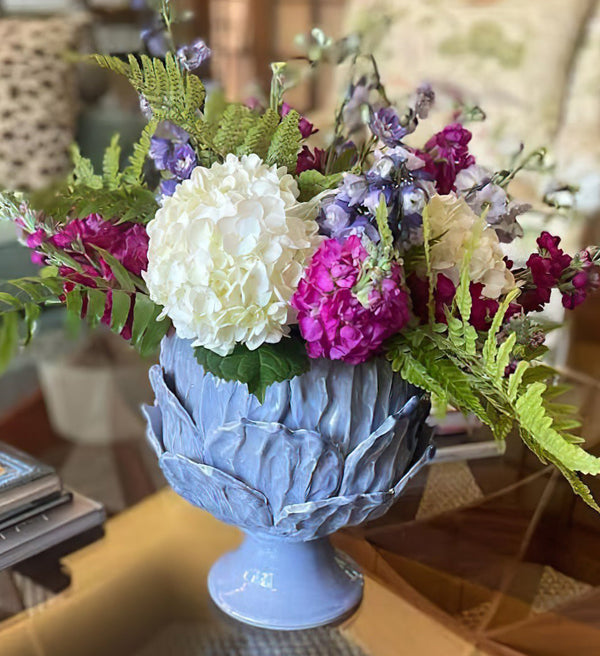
<point x="24" y="482"/>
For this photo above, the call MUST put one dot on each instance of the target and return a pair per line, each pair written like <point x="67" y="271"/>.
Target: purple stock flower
<point x="160" y="152"/>
<point x="424" y="100"/>
<point x="332" y="319"/>
<point x="182" y="161"/>
<point x="192" y="56"/>
<point x="171" y="152"/>
<point x="482" y="195"/>
<point x="168" y="186"/>
<point x="385" y="124"/>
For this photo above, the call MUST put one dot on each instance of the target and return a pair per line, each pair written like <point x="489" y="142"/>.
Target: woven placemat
<point x="224" y="639"/>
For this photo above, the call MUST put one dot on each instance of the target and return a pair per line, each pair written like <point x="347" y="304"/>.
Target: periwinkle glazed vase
<point x="333" y="447"/>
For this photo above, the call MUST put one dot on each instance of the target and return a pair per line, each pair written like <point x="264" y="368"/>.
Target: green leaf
<point x="284" y="148"/>
<point x="268" y="364"/>
<point x="144" y="312"/>
<point x="172" y="94"/>
<point x="490" y="347"/>
<point x="313" y="182"/>
<point x="74" y="300"/>
<point x="503" y="357"/>
<point x="381" y="216"/>
<point x="96" y="306"/>
<point x="534" y="419"/>
<point x="9" y="338"/>
<point x="125" y="279"/>
<point x="515" y="380"/>
<point x="260" y="135"/>
<point x="134" y="172"/>
<point x="234" y="127"/>
<point x="121" y="305"/>
<point x="83" y="170"/>
<point x="111" y="164"/>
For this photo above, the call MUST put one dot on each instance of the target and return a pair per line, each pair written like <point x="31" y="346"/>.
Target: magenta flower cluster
<point x="332" y="320"/>
<point x="546" y="267"/>
<point x="80" y="239"/>
<point x="446" y="154"/>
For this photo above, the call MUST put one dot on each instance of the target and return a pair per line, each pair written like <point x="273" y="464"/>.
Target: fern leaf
<point x="284" y="148"/>
<point x="113" y="64"/>
<point x="490" y="347"/>
<point x="503" y="358"/>
<point x="237" y="120"/>
<point x="515" y="380"/>
<point x="259" y="137"/>
<point x="83" y="170"/>
<point x="133" y="174"/>
<point x="534" y="419"/>
<point x="111" y="164"/>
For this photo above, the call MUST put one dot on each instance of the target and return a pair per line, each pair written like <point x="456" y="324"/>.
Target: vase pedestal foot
<point x="276" y="584"/>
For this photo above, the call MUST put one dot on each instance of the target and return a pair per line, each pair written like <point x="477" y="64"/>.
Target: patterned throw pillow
<point x="38" y="99"/>
<point x="510" y="57"/>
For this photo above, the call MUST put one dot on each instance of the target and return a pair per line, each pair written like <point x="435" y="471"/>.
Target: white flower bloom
<point x="227" y="251"/>
<point x="452" y="224"/>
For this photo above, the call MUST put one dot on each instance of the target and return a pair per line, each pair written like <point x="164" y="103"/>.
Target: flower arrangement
<point x="228" y="227"/>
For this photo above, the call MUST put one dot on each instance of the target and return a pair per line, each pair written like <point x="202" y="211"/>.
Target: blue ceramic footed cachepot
<point x="333" y="447"/>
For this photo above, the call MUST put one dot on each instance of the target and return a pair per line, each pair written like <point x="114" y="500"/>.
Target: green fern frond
<point x="172" y="94"/>
<point x="260" y="135"/>
<point x="133" y="174"/>
<point x="490" y="346"/>
<point x="113" y="64"/>
<point x="534" y="419"/>
<point x="285" y="146"/>
<point x="111" y="164"/>
<point x="235" y="125"/>
<point x="20" y="302"/>
<point x="83" y="170"/>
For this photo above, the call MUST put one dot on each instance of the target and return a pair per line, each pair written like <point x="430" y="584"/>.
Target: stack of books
<point x="36" y="511"/>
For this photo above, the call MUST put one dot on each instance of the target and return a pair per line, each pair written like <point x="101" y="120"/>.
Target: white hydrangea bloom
<point x="227" y="251"/>
<point x="452" y="223"/>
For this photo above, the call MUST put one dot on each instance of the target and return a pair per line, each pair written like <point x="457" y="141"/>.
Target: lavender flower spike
<point x="192" y="56"/>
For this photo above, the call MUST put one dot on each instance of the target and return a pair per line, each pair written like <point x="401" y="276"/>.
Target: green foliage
<point x="477" y="383"/>
<point x="133" y="174"/>
<point x="270" y="363"/>
<point x="314" y="182"/>
<point x="135" y="204"/>
<point x="284" y="148"/>
<point x="20" y="302"/>
<point x="471" y="372"/>
<point x="260" y="135"/>
<point x="235" y="124"/>
<point x="115" y="194"/>
<point x="172" y="94"/>
<point x="383" y="227"/>
<point x="147" y="329"/>
<point x="9" y="338"/>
